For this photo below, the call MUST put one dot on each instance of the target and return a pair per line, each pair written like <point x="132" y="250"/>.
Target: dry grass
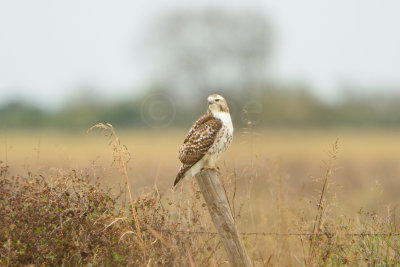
<point x="65" y="205"/>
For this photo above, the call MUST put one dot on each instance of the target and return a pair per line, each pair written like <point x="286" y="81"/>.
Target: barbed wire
<point x="330" y="234"/>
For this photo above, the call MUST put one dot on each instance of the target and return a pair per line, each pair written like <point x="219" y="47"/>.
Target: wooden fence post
<point x="221" y="215"/>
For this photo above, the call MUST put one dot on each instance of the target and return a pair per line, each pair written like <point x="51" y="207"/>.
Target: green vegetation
<point x="270" y="107"/>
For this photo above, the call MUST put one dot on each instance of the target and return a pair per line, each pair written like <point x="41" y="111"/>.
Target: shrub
<point x="67" y="218"/>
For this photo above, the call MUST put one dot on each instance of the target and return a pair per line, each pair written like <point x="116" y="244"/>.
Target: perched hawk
<point x="208" y="138"/>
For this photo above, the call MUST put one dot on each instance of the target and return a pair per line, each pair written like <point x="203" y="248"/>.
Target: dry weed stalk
<point x="322" y="204"/>
<point x="121" y="157"/>
<point x="251" y="135"/>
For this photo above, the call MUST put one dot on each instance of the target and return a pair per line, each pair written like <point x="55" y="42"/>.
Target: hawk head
<point x="217" y="103"/>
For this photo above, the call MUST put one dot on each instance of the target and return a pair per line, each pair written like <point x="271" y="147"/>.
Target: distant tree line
<point x="272" y="107"/>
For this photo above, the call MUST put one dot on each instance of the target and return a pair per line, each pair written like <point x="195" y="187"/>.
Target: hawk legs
<point x="214" y="168"/>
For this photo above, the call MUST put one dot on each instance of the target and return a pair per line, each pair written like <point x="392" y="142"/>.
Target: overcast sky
<point x="50" y="48"/>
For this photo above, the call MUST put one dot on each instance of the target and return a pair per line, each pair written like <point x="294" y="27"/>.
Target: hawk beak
<point x="210" y="102"/>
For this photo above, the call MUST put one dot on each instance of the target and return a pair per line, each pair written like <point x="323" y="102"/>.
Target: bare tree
<point x="211" y="50"/>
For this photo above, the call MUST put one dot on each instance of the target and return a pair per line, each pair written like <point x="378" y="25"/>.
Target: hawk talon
<point x="214" y="168"/>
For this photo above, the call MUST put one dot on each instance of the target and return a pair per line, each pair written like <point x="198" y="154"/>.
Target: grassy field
<point x="273" y="178"/>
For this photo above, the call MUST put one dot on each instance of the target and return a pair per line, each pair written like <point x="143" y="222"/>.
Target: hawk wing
<point x="199" y="139"/>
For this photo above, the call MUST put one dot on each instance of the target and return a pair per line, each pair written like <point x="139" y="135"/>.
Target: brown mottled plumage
<point x="208" y="138"/>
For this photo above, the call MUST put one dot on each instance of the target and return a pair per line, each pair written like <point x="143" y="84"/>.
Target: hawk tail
<point x="181" y="174"/>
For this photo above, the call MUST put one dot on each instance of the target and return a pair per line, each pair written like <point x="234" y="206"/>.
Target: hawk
<point x="208" y="138"/>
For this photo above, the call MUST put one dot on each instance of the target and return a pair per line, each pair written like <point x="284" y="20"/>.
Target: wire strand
<point x="330" y="234"/>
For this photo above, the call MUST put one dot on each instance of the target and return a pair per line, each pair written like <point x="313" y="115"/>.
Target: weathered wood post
<point x="221" y="215"/>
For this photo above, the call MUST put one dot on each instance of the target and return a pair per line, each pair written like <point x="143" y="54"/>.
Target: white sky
<point x="49" y="48"/>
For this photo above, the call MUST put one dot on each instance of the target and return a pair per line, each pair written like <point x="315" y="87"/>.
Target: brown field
<point x="365" y="158"/>
<point x="273" y="179"/>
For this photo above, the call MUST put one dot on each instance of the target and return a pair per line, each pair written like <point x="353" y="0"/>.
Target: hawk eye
<point x="217" y="100"/>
